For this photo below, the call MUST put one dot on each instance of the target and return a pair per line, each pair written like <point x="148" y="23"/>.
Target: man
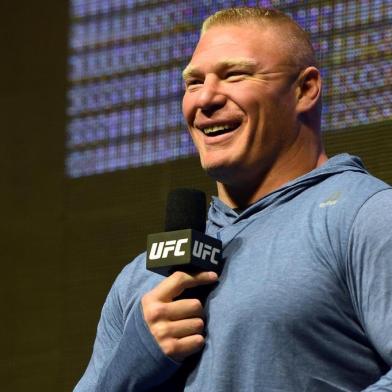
<point x="304" y="302"/>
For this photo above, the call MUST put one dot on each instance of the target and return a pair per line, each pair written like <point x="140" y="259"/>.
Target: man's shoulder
<point x="356" y="185"/>
<point x="348" y="173"/>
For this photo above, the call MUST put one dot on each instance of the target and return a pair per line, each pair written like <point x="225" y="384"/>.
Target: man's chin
<point x="233" y="173"/>
<point x="223" y="173"/>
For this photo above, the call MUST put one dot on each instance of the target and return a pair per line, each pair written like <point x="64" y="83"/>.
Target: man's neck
<point x="242" y="195"/>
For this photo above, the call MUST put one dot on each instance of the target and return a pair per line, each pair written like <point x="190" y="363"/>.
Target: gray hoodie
<point x="304" y="302"/>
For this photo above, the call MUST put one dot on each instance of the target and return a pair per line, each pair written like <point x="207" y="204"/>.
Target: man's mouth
<point x="217" y="130"/>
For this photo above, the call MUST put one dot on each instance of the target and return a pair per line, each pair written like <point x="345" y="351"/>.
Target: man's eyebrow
<point x="229" y="62"/>
<point x="242" y="61"/>
<point x="188" y="71"/>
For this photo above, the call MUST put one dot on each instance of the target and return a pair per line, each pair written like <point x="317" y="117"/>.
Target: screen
<point x="126" y="58"/>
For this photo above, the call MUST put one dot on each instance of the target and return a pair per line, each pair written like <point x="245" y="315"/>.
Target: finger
<point x="176" y="283"/>
<point x="177" y="329"/>
<point x="156" y="311"/>
<point x="184" y="308"/>
<point x="187" y="327"/>
<point x="179" y="349"/>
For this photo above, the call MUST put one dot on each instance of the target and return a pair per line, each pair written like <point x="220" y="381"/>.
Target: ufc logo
<point x="161" y="250"/>
<point x="202" y="250"/>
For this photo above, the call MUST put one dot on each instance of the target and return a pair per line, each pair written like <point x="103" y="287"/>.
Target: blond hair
<point x="296" y="40"/>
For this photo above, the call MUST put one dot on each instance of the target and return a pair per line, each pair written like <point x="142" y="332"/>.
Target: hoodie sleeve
<point x="126" y="356"/>
<point x="369" y="266"/>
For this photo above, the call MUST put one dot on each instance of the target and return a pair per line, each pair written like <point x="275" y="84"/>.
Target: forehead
<point x="254" y="43"/>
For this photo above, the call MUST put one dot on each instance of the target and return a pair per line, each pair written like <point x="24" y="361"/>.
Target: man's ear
<point x="308" y="89"/>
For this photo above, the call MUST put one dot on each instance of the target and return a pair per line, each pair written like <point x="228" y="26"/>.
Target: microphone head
<point x="186" y="209"/>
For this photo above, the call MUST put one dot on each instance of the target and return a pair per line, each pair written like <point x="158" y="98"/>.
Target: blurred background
<point x="93" y="139"/>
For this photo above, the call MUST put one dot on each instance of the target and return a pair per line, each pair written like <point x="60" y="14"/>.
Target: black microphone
<point x="184" y="246"/>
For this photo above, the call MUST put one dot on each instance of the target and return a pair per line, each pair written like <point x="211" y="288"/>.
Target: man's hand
<point x="178" y="325"/>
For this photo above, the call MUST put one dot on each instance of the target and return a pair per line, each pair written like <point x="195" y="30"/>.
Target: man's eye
<point x="234" y="75"/>
<point x="193" y="82"/>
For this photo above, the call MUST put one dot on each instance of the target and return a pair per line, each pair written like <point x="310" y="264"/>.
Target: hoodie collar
<point x="220" y="215"/>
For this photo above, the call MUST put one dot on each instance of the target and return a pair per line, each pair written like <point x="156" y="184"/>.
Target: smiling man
<point x="252" y="104"/>
<point x="304" y="302"/>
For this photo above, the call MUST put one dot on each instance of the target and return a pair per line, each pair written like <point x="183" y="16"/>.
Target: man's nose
<point x="210" y="97"/>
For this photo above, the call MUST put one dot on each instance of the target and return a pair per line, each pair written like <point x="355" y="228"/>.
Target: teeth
<point x="217" y="128"/>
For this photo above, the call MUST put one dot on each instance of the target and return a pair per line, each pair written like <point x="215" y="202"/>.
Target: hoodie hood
<point x="220" y="215"/>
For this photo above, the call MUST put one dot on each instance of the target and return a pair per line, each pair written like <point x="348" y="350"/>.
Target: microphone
<point x="183" y="245"/>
